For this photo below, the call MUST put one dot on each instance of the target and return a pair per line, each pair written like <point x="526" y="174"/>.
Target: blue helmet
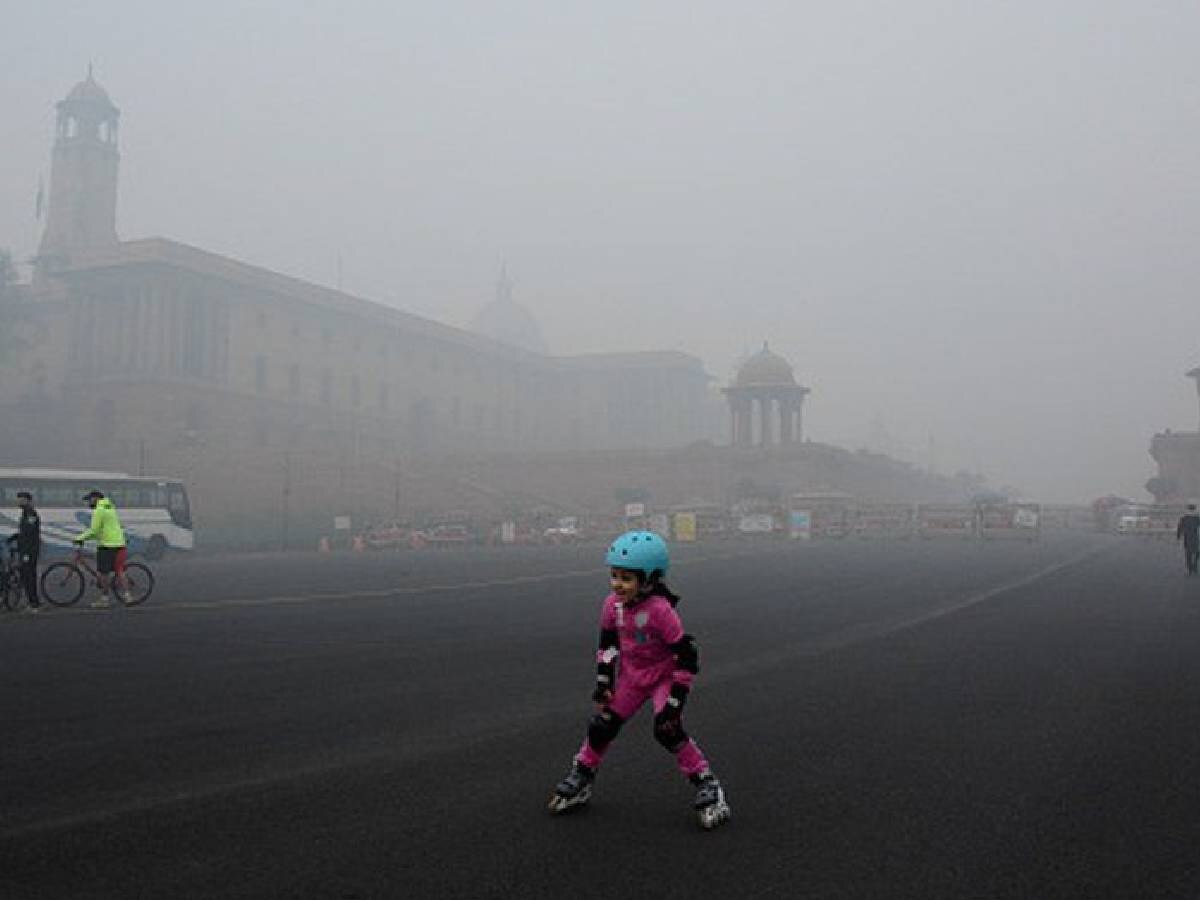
<point x="640" y="551"/>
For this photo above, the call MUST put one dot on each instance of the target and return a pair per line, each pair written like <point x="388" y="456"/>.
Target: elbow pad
<point x="687" y="654"/>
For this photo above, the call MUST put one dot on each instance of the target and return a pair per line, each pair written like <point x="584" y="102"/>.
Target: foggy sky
<point x="975" y="221"/>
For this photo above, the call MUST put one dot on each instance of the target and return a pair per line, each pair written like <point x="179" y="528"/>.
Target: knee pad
<point x="603" y="727"/>
<point x="668" y="731"/>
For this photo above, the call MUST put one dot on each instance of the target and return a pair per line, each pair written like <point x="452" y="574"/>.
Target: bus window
<point x="55" y="494"/>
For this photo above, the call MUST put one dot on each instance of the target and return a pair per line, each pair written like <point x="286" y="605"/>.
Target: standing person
<point x="28" y="540"/>
<point x="644" y="655"/>
<point x="1188" y="530"/>
<point x="109" y="536"/>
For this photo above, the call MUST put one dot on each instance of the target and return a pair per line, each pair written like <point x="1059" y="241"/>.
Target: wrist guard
<point x="606" y="672"/>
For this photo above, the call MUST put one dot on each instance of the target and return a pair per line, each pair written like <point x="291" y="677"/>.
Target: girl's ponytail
<point x="659" y="586"/>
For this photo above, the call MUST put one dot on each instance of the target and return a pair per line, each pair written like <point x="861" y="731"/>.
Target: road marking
<point x="456" y="736"/>
<point x="399" y="591"/>
<point x="869" y="631"/>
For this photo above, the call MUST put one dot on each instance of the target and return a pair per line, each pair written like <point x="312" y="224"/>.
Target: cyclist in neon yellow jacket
<point x="109" y="536"/>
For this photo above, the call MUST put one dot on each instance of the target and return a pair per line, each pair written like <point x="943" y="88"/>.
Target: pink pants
<point x="627" y="700"/>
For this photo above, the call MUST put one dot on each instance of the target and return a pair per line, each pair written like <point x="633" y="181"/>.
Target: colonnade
<point x="766" y="418"/>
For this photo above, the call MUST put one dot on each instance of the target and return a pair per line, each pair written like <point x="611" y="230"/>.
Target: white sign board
<point x="758" y="523"/>
<point x="1025" y="518"/>
<point x="341" y="523"/>
<point x="635" y="510"/>
<point x="508" y="532"/>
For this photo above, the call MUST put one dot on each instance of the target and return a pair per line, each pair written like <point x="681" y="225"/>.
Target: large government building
<point x="1178" y="456"/>
<point x="156" y="356"/>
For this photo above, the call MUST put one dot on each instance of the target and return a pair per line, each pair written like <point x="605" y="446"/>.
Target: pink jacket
<point x="646" y="631"/>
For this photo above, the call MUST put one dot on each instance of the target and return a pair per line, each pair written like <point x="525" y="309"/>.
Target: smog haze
<point x="970" y="226"/>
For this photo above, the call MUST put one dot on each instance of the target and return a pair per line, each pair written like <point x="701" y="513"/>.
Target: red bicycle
<point x="63" y="582"/>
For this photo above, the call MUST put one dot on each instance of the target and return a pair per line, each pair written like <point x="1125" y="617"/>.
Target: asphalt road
<point x="913" y="719"/>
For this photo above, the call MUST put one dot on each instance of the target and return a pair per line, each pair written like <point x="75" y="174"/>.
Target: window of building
<point x="260" y="373"/>
<point x="355" y="395"/>
<point x="261" y="320"/>
<point x="383" y="395"/>
<point x="456" y="411"/>
<point x="326" y="338"/>
<point x="294" y="381"/>
<point x="326" y="386"/>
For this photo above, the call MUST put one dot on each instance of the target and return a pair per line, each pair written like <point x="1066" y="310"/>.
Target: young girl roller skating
<point x="644" y="655"/>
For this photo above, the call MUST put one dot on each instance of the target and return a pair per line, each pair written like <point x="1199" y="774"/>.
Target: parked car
<point x="447" y="536"/>
<point x="1132" y="523"/>
<point x="563" y="533"/>
<point x="388" y="536"/>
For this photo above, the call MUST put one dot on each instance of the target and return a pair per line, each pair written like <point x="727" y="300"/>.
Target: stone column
<point x="767" y="431"/>
<point x="787" y="420"/>
<point x="740" y="415"/>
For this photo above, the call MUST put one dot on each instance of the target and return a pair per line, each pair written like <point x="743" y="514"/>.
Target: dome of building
<point x="506" y="321"/>
<point x="764" y="368"/>
<point x="90" y="91"/>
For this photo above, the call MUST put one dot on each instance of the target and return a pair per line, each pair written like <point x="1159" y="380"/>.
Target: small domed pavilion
<point x="766" y="381"/>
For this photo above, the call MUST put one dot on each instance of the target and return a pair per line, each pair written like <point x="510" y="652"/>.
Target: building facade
<point x="154" y="355"/>
<point x="1177" y="454"/>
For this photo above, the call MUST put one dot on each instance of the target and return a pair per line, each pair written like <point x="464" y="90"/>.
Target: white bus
<point x="154" y="511"/>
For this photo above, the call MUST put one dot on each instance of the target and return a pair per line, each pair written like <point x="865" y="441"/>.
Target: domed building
<point x="204" y="358"/>
<point x="765" y="391"/>
<point x="509" y="322"/>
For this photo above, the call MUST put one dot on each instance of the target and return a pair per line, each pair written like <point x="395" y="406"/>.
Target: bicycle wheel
<point x="140" y="581"/>
<point x="62" y="584"/>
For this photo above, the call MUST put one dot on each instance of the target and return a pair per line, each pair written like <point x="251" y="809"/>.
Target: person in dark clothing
<point x="28" y="540"/>
<point x="1188" y="531"/>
